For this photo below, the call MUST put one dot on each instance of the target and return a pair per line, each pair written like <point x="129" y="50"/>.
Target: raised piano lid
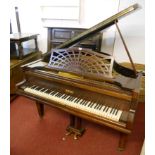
<point x="91" y="65"/>
<point x="97" y="28"/>
<point x="128" y="81"/>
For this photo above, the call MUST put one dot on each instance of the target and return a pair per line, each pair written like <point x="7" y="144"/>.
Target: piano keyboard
<point x="76" y="102"/>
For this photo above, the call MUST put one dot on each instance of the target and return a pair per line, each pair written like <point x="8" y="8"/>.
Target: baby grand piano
<point x="82" y="83"/>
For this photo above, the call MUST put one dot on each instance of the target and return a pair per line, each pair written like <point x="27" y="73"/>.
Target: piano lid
<point x="93" y="30"/>
<point x="97" y="28"/>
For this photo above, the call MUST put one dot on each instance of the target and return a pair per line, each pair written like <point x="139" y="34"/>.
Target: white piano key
<point x="94" y="108"/>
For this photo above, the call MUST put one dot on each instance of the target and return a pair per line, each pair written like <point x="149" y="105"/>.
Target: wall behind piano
<point x="91" y="12"/>
<point x="133" y="30"/>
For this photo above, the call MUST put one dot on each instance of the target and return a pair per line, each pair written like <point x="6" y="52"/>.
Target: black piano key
<point x="32" y="86"/>
<point x="53" y="93"/>
<point x="57" y="94"/>
<point x="86" y="103"/>
<point x="60" y="95"/>
<point x="65" y="96"/>
<point x="82" y="102"/>
<point x="89" y="104"/>
<point x="96" y="106"/>
<point x="36" y="88"/>
<point x="92" y="105"/>
<point x="78" y="100"/>
<point x="116" y="112"/>
<point x="45" y="90"/>
<point x="111" y="110"/>
<point x="101" y="107"/>
<point x="41" y="90"/>
<point x="68" y="98"/>
<point x="73" y="98"/>
<point x="107" y="109"/>
<point x="49" y="91"/>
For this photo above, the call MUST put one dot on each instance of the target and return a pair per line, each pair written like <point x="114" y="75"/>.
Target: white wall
<point x="92" y="12"/>
<point x="133" y="30"/>
<point x="30" y="21"/>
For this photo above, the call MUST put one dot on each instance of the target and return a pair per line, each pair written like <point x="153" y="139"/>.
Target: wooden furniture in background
<point x="16" y="72"/>
<point x="57" y="36"/>
<point x="19" y="56"/>
<point x="16" y="40"/>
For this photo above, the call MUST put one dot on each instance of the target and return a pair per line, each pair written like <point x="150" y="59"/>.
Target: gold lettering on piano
<point x="70" y="75"/>
<point x="69" y="91"/>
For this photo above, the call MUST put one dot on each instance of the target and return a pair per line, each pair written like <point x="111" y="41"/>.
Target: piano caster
<point x="120" y="149"/>
<point x="122" y="142"/>
<point x="68" y="133"/>
<point x="76" y="137"/>
<point x="63" y="138"/>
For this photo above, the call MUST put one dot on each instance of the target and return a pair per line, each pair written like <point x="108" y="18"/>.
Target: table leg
<point x="40" y="108"/>
<point x="36" y="44"/>
<point x="20" y="49"/>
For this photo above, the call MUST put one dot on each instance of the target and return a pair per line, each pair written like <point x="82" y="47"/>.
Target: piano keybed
<point x="99" y="107"/>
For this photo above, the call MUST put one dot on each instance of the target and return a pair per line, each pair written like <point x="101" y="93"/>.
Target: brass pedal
<point x="67" y="134"/>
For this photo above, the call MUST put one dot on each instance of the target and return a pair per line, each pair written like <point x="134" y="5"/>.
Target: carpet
<point x="30" y="135"/>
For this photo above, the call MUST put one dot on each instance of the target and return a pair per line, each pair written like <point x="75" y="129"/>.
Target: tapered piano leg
<point x="78" y="123"/>
<point x="72" y="120"/>
<point x="122" y="141"/>
<point x="40" y="108"/>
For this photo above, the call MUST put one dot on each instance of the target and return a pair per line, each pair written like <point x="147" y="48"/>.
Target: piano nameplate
<point x="69" y="75"/>
<point x="69" y="91"/>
